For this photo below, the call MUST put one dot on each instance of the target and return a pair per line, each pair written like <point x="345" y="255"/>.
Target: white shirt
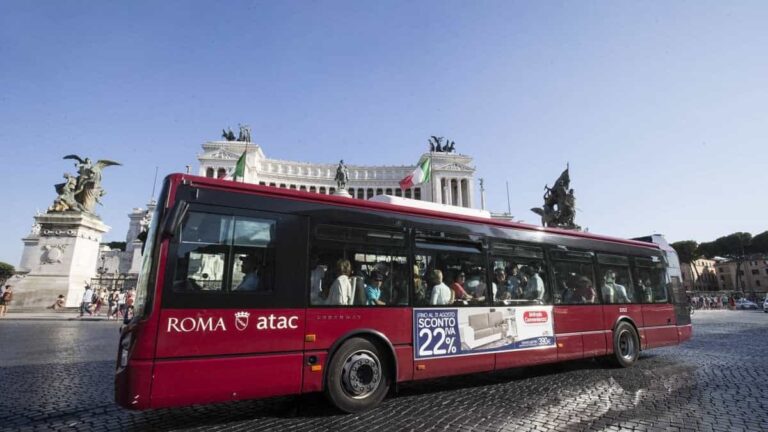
<point x="615" y="293"/>
<point x="341" y="292"/>
<point x="441" y="295"/>
<point x="535" y="288"/>
<point x="88" y="296"/>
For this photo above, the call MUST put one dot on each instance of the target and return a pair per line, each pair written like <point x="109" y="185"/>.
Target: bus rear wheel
<point x="626" y="345"/>
<point x="357" y="378"/>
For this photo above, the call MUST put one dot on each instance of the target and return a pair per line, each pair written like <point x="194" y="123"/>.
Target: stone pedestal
<point x="342" y="193"/>
<point x="60" y="256"/>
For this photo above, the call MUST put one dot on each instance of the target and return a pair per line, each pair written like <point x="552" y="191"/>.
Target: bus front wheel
<point x="357" y="378"/>
<point x="626" y="345"/>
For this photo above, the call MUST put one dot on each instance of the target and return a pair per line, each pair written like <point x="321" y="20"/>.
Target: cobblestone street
<point x="57" y="375"/>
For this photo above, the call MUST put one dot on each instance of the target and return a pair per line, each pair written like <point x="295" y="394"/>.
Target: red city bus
<point x="251" y="291"/>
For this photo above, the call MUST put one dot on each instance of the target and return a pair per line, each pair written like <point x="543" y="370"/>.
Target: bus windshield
<point x="142" y="285"/>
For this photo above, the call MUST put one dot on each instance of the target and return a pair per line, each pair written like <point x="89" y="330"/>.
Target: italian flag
<point x="239" y="170"/>
<point x="420" y="175"/>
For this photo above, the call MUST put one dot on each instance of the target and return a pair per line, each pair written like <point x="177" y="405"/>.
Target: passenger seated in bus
<point x="373" y="289"/>
<point x="441" y="294"/>
<point x="613" y="292"/>
<point x="249" y="266"/>
<point x="583" y="291"/>
<point x="459" y="293"/>
<point x="534" y="289"/>
<point x="340" y="292"/>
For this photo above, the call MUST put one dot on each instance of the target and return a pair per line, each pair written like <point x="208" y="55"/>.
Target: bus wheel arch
<point x="360" y="371"/>
<point x="626" y="343"/>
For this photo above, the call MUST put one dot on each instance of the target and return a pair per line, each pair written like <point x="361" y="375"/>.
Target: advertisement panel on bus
<point x="448" y="332"/>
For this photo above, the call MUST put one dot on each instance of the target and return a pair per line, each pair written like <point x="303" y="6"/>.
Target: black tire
<point x="626" y="345"/>
<point x="358" y="376"/>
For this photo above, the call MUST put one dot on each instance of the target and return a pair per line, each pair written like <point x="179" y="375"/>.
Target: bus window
<point x="615" y="282"/>
<point x="519" y="274"/>
<point x="574" y="278"/>
<point x="651" y="284"/>
<point x="201" y="252"/>
<point x="253" y="270"/>
<point x="358" y="267"/>
<point x="452" y="275"/>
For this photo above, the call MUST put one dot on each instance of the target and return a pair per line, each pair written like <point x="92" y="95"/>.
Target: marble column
<point x="460" y="195"/>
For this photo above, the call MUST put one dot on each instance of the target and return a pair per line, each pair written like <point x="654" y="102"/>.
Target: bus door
<point x="455" y="329"/>
<point x="579" y="327"/>
<point x="523" y="299"/>
<point x="618" y="294"/>
<point x="658" y="311"/>
<point x="232" y="319"/>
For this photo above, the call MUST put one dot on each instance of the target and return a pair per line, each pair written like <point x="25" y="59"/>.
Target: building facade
<point x="752" y="274"/>
<point x="119" y="269"/>
<point x="452" y="174"/>
<point x="700" y="275"/>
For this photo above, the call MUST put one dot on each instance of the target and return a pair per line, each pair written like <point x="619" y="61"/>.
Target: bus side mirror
<point x="174" y="218"/>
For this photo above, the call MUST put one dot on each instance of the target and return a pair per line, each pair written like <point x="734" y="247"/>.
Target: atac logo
<point x="241" y="320"/>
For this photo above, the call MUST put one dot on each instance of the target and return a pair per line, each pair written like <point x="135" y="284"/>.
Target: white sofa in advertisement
<point x="482" y="329"/>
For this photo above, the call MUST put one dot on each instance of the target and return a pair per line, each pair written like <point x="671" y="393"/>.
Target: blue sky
<point x="659" y="107"/>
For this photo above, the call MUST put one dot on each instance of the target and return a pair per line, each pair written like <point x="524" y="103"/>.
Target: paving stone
<point x="59" y="376"/>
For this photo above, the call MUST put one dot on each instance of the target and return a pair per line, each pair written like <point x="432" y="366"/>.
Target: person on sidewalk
<point x="58" y="304"/>
<point x="5" y="300"/>
<point x="112" y="304"/>
<point x="85" y="305"/>
<point x="98" y="301"/>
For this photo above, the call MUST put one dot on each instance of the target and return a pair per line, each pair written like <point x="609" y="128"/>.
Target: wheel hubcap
<point x="361" y="374"/>
<point x="626" y="345"/>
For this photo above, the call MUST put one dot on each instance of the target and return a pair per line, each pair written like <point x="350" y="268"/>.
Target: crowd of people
<point x="119" y="304"/>
<point x="717" y="301"/>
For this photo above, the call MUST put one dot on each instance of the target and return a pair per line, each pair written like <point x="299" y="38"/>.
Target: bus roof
<point x="425" y="209"/>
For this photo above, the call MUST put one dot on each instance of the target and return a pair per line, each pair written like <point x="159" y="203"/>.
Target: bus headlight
<point x="125" y="344"/>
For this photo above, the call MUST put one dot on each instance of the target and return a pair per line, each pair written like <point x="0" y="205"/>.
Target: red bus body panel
<point x="660" y="324"/>
<point x="212" y="355"/>
<point x="583" y="322"/>
<point x="211" y="332"/>
<point x="187" y="381"/>
<point x="439" y="367"/>
<point x="527" y="357"/>
<point x="329" y="324"/>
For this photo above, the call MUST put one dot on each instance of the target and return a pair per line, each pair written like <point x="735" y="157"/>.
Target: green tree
<point x="760" y="243"/>
<point x="688" y="252"/>
<point x="116" y="245"/>
<point x="6" y="271"/>
<point x="736" y="244"/>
